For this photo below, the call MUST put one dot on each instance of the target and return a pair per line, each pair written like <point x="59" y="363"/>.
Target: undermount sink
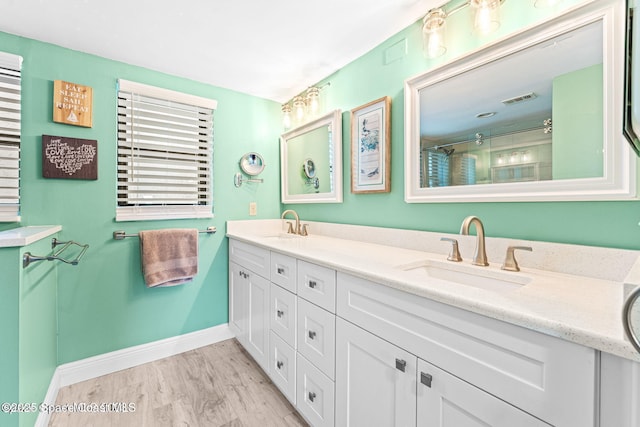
<point x="477" y="277"/>
<point x="284" y="235"/>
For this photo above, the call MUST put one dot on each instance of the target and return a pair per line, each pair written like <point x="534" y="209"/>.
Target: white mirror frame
<point x="619" y="180"/>
<point x="333" y="119"/>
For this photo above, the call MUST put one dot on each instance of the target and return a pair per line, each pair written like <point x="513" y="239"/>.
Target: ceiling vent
<point x="520" y="98"/>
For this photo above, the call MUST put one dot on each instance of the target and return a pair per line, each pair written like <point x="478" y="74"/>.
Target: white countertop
<point x="23" y="236"/>
<point x="576" y="292"/>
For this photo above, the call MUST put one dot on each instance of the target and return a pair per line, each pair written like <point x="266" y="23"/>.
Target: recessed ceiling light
<point x="485" y="115"/>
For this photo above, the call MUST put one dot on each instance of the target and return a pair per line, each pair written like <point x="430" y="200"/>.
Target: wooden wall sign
<point x="72" y="104"/>
<point x="70" y="158"/>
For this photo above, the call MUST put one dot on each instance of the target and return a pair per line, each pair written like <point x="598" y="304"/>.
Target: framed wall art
<point x="371" y="147"/>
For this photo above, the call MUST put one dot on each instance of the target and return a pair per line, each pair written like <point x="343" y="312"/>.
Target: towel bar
<point x="120" y="234"/>
<point x="28" y="258"/>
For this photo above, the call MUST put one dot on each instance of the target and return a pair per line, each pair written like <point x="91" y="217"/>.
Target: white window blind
<point x="10" y="66"/>
<point x="165" y="149"/>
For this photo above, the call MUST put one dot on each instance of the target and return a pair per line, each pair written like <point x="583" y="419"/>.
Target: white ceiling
<point x="272" y="49"/>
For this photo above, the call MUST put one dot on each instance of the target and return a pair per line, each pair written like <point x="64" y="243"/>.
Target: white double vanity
<point x="365" y="326"/>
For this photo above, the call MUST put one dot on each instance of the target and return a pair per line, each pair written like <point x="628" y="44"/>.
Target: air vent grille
<point x="520" y="98"/>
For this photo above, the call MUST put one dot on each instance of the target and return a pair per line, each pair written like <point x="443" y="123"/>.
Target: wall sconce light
<point x="286" y="116"/>
<point x="486" y="19"/>
<point x="302" y="107"/>
<point x="487" y="16"/>
<point x="313" y="100"/>
<point x="433" y="33"/>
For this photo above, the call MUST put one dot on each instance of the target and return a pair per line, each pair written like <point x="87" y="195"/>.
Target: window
<point x="165" y="149"/>
<point x="10" y="66"/>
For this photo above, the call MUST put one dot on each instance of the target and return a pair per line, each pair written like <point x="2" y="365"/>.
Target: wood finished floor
<point x="217" y="385"/>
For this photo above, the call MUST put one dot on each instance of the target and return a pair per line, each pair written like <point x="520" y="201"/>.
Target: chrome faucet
<point x="291" y="229"/>
<point x="480" y="257"/>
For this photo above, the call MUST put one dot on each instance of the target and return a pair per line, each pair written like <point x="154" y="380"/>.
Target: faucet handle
<point x="290" y="228"/>
<point x="455" y="252"/>
<point x="304" y="229"/>
<point x="510" y="263"/>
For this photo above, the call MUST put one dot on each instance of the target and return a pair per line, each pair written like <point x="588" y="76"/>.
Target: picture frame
<point x="371" y="147"/>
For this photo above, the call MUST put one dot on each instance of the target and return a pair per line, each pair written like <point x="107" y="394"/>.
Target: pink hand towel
<point x="169" y="257"/>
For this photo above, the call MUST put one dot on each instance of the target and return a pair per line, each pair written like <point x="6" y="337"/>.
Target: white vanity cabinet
<point x="249" y="293"/>
<point x="519" y="376"/>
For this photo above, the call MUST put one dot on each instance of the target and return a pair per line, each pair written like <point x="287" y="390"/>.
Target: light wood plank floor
<point x="217" y="385"/>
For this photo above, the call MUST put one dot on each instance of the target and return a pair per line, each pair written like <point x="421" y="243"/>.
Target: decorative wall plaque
<point x="72" y="104"/>
<point x="70" y="158"/>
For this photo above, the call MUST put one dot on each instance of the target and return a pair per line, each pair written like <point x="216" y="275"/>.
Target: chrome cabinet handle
<point x="312" y="396"/>
<point x="312" y="284"/>
<point x="426" y="379"/>
<point x="312" y="334"/>
<point x="279" y="364"/>
<point x="401" y="364"/>
<point x="280" y="313"/>
<point x="280" y="270"/>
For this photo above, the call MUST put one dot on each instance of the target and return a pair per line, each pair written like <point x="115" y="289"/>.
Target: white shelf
<point x="24" y="236"/>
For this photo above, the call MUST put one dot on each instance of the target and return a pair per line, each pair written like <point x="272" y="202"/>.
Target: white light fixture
<point x="286" y="116"/>
<point x="433" y="33"/>
<point x="485" y="20"/>
<point x="487" y="16"/>
<point x="313" y="100"/>
<point x="298" y="108"/>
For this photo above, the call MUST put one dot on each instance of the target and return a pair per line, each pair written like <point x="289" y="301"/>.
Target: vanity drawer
<point x="530" y="370"/>
<point x="317" y="336"/>
<point x="283" y="271"/>
<point x="252" y="257"/>
<point x="283" y="367"/>
<point x="283" y="314"/>
<point x="314" y="394"/>
<point x="317" y="284"/>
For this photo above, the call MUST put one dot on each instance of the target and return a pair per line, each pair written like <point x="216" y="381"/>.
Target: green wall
<point x="103" y="304"/>
<point x="611" y="224"/>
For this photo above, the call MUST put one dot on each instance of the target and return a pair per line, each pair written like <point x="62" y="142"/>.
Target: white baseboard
<point x="103" y="364"/>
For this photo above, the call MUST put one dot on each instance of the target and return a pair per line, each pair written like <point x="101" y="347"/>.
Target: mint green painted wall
<point x="9" y="319"/>
<point x="612" y="224"/>
<point x="103" y="304"/>
<point x="577" y="124"/>
<point x="38" y="328"/>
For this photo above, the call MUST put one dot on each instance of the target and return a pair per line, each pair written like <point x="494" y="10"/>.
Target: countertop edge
<point x="23" y="236"/>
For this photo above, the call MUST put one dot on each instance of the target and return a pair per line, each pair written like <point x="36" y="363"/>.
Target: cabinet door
<point x="317" y="336"/>
<point x="375" y="380"/>
<point x="258" y="319"/>
<point x="238" y="303"/>
<point x="446" y="401"/>
<point x="283" y="314"/>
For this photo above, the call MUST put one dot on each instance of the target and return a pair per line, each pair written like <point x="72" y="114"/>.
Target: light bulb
<point x="298" y="107"/>
<point x="433" y="33"/>
<point x="286" y="116"/>
<point x="487" y="17"/>
<point x="313" y="100"/>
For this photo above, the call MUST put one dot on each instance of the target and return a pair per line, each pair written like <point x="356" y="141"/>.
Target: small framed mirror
<point x="311" y="161"/>
<point x="252" y="164"/>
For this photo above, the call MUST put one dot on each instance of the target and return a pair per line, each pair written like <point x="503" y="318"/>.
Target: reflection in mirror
<point x="508" y="130"/>
<point x="311" y="161"/>
<point x="533" y="117"/>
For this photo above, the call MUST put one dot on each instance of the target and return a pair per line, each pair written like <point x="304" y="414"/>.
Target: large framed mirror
<point x="311" y="161"/>
<point x="536" y="116"/>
